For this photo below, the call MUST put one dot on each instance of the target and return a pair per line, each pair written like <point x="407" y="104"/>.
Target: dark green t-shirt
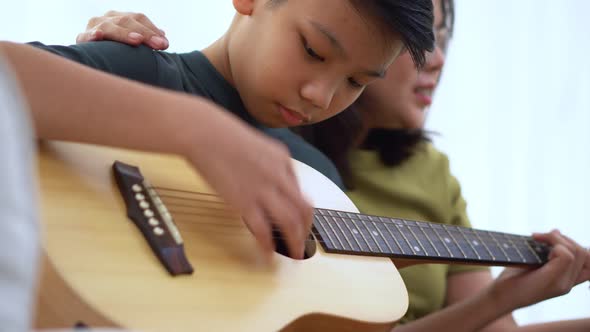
<point x="189" y="72"/>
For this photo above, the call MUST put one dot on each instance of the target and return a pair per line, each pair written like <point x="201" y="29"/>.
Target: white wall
<point x="513" y="111"/>
<point x="513" y="108"/>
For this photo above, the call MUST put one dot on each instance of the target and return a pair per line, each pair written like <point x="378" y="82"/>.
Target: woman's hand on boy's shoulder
<point x="124" y="27"/>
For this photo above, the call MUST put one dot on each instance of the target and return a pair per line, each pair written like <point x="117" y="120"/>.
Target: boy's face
<point x="303" y="61"/>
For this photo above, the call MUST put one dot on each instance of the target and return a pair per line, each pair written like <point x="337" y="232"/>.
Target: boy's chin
<point x="270" y="122"/>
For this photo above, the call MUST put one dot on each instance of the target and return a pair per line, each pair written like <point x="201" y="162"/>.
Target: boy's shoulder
<point x="306" y="153"/>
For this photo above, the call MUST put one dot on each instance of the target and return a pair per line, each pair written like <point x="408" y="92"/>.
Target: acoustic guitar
<point x="139" y="241"/>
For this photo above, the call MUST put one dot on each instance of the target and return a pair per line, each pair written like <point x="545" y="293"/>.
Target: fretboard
<point x="360" y="234"/>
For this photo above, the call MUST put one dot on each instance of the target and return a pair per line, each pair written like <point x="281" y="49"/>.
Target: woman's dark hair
<point x="411" y="19"/>
<point x="337" y="136"/>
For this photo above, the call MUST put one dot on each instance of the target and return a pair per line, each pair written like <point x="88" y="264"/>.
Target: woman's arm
<point x="72" y="102"/>
<point x="469" y="310"/>
<point x="475" y="302"/>
<point x="462" y="285"/>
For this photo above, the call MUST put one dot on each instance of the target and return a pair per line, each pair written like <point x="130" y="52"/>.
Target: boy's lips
<point x="293" y="118"/>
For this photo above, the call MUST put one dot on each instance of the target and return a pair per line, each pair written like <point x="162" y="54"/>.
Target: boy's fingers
<point x="304" y="210"/>
<point x="293" y="191"/>
<point x="260" y="228"/>
<point x="287" y="218"/>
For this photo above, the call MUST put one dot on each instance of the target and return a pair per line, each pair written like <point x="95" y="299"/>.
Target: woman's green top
<point x="422" y="188"/>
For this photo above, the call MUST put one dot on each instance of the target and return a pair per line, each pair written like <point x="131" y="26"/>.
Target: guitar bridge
<point x="150" y="215"/>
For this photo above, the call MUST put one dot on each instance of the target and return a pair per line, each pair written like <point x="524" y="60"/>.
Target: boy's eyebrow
<point x="334" y="41"/>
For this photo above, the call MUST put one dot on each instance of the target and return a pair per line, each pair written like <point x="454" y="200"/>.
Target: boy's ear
<point x="244" y="7"/>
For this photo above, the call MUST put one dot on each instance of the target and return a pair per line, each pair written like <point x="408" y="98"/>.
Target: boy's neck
<point x="217" y="54"/>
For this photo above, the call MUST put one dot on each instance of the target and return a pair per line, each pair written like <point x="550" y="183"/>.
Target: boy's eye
<point x="353" y="83"/>
<point x="311" y="52"/>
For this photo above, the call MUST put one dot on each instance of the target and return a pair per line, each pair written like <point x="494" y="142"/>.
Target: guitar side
<point x="100" y="270"/>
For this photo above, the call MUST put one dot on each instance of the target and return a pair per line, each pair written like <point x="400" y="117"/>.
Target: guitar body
<point x="99" y="269"/>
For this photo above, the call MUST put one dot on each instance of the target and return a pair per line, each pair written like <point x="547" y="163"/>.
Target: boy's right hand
<point x="127" y="28"/>
<point x="255" y="175"/>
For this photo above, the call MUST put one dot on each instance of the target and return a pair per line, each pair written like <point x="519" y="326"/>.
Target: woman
<point x="391" y="169"/>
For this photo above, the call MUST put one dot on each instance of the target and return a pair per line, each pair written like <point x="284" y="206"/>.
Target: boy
<point x="282" y="63"/>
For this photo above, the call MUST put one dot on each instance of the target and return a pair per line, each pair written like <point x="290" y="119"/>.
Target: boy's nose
<point x="319" y="93"/>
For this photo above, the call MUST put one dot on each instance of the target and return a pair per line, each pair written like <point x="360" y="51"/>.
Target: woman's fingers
<point x="128" y="28"/>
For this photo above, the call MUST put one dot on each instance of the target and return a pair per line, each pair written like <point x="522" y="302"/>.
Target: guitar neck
<point x="359" y="234"/>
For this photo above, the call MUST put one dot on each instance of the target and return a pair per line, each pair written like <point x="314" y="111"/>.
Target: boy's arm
<point x="71" y="102"/>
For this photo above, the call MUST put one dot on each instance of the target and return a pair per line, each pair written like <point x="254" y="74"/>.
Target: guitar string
<point x="224" y="208"/>
<point x="318" y="238"/>
<point x="235" y="215"/>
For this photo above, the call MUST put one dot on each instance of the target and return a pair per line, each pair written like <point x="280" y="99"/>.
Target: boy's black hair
<point x="336" y="136"/>
<point x="411" y="19"/>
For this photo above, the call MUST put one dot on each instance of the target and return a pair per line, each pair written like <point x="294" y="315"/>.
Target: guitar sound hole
<point x="281" y="245"/>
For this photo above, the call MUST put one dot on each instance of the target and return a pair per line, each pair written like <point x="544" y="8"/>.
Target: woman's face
<point x="401" y="99"/>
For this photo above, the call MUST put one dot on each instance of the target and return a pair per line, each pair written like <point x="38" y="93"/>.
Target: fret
<point x="528" y="254"/>
<point x="369" y="244"/>
<point x="405" y="241"/>
<point x="411" y="225"/>
<point x="406" y="233"/>
<point x="345" y="234"/>
<point x="355" y="233"/>
<point x="483" y="243"/>
<point x="380" y="233"/>
<point x="471" y="254"/>
<point x="515" y="248"/>
<point x="339" y="234"/>
<point x="491" y="235"/>
<point x="342" y="247"/>
<point x="336" y="219"/>
<point x="433" y="228"/>
<point x="542" y="249"/>
<point x="400" y="244"/>
<point x="374" y="235"/>
<point x="323" y="232"/>
<point x="528" y="245"/>
<point x="471" y="244"/>
<point x="423" y="230"/>
<point x="358" y="237"/>
<point x="350" y="233"/>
